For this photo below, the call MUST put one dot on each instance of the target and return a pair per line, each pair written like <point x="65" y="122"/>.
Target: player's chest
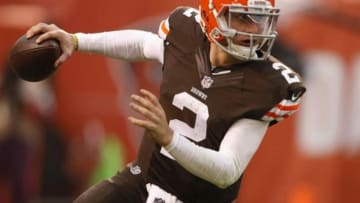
<point x="186" y="92"/>
<point x="226" y="94"/>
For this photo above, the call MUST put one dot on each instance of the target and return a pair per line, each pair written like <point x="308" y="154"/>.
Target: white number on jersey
<point x="191" y="12"/>
<point x="196" y="133"/>
<point x="288" y="73"/>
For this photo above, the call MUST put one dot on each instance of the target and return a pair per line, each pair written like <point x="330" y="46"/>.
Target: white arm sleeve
<point x="132" y="45"/>
<point x="223" y="167"/>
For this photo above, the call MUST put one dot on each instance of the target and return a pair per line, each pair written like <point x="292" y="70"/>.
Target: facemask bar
<point x="260" y="43"/>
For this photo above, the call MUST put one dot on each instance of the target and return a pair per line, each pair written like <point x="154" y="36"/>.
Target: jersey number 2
<point x="196" y="133"/>
<point x="289" y="75"/>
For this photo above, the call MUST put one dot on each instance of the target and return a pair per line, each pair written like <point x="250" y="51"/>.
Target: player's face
<point x="242" y="23"/>
<point x="253" y="24"/>
<point x="218" y="57"/>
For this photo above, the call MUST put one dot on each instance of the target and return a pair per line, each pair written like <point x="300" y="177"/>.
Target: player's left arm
<point x="221" y="168"/>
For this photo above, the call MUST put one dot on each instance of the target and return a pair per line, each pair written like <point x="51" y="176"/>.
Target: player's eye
<point x="243" y="18"/>
<point x="259" y="19"/>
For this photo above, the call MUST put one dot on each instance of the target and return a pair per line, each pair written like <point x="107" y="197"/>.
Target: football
<point x="34" y="62"/>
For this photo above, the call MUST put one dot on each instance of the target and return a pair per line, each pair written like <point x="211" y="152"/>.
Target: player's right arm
<point x="132" y="45"/>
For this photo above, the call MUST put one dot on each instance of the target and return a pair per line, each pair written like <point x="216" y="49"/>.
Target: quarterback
<point x="221" y="90"/>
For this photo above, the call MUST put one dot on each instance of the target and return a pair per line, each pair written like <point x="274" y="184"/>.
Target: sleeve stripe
<point x="274" y="115"/>
<point x="164" y="29"/>
<point x="288" y="107"/>
<point x="282" y="110"/>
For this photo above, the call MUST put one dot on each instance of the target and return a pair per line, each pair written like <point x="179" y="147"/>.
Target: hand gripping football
<point x="34" y="62"/>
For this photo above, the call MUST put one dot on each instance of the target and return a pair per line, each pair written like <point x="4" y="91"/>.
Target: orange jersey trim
<point x="164" y="29"/>
<point x="274" y="115"/>
<point x="288" y="108"/>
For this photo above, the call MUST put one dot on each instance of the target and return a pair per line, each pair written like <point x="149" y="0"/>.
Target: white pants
<point x="158" y="195"/>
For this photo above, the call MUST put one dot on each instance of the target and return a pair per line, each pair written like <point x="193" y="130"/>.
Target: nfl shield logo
<point x="206" y="82"/>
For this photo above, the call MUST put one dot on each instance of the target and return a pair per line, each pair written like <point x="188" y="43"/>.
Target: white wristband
<point x="174" y="142"/>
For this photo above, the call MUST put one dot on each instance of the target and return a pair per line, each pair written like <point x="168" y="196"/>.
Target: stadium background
<point x="313" y="157"/>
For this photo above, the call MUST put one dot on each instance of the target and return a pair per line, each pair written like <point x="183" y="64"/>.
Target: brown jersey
<point x="202" y="102"/>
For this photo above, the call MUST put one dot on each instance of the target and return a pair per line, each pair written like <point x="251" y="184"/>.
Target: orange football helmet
<point x="225" y="22"/>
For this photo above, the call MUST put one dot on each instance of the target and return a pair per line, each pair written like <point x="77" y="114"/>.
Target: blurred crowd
<point x="32" y="149"/>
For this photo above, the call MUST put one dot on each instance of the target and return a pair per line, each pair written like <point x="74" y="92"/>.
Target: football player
<point x="220" y="92"/>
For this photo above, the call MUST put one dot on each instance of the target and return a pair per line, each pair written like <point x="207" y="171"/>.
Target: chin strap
<point x="242" y="52"/>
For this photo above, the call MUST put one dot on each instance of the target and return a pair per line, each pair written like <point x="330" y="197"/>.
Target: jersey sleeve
<point x="181" y="29"/>
<point x="164" y="29"/>
<point x="169" y="24"/>
<point x="293" y="88"/>
<point x="282" y="110"/>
